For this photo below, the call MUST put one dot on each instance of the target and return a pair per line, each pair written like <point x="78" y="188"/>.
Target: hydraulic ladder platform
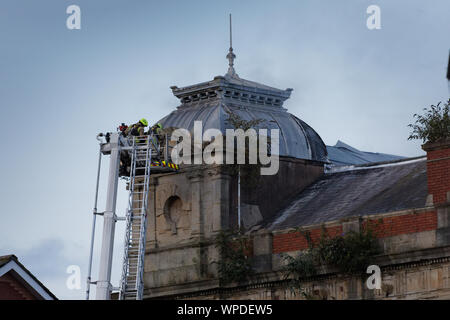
<point x="141" y="150"/>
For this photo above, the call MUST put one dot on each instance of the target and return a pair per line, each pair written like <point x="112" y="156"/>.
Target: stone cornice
<point x="230" y="89"/>
<point x="432" y="146"/>
<point x="275" y="278"/>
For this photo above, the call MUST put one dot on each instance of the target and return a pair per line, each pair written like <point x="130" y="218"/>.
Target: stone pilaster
<point x="262" y="251"/>
<point x="220" y="207"/>
<point x="196" y="178"/>
<point x="151" y="219"/>
<point x="443" y="226"/>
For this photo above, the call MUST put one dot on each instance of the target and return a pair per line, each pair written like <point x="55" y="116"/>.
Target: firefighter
<point x="156" y="129"/>
<point x="137" y="129"/>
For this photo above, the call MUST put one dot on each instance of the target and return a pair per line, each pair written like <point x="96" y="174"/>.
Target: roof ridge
<point x="372" y="165"/>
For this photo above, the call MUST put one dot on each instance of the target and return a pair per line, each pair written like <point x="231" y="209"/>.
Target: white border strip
<point x="356" y="167"/>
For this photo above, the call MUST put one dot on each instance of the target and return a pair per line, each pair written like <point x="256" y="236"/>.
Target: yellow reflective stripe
<point x="164" y="164"/>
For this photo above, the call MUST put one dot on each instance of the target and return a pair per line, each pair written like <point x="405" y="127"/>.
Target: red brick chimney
<point x="438" y="170"/>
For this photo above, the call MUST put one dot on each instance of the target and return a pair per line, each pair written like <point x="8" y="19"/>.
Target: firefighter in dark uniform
<point x="137" y="129"/>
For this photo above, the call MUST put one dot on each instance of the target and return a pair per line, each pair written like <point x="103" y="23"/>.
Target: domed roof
<point x="210" y="102"/>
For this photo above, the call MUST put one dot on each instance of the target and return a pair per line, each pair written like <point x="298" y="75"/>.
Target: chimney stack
<point x="438" y="170"/>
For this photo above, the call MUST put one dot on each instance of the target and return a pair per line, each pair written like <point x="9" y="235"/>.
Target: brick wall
<point x="404" y="224"/>
<point x="438" y="170"/>
<point x="11" y="289"/>
<point x="383" y="227"/>
<point x="293" y="241"/>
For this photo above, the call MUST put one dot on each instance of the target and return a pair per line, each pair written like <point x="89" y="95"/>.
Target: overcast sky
<point x="60" y="87"/>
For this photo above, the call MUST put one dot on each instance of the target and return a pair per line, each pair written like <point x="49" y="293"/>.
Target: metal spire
<point x="231" y="56"/>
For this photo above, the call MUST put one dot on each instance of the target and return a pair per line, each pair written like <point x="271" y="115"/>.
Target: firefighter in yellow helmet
<point x="156" y="129"/>
<point x="137" y="129"/>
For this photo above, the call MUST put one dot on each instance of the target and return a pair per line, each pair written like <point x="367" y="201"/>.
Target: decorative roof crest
<point x="231" y="56"/>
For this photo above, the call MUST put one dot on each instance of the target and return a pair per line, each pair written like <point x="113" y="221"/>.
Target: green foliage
<point x="238" y="123"/>
<point x="234" y="265"/>
<point x="300" y="268"/>
<point x="433" y="126"/>
<point x="349" y="253"/>
<point x="250" y="173"/>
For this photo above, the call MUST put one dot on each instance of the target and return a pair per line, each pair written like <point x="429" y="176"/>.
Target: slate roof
<point x="343" y="154"/>
<point x="356" y="191"/>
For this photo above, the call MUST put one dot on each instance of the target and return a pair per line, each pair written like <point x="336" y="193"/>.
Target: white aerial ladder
<point x="132" y="282"/>
<point x="141" y="150"/>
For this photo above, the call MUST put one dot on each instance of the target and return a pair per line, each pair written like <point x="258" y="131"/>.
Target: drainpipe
<point x="239" y="199"/>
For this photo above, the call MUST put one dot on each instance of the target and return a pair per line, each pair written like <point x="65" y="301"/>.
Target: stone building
<point x="411" y="197"/>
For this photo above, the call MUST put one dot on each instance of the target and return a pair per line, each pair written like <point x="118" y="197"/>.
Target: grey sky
<point x="60" y="87"/>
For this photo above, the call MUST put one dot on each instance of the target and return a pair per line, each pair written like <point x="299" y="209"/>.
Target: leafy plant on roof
<point x="250" y="173"/>
<point x="234" y="263"/>
<point x="433" y="125"/>
<point x="348" y="253"/>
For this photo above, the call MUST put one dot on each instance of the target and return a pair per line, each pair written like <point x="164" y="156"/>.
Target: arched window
<point x="174" y="213"/>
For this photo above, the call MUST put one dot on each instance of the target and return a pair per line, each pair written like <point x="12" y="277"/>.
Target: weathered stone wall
<point x="415" y="262"/>
<point x="189" y="208"/>
<point x="425" y="280"/>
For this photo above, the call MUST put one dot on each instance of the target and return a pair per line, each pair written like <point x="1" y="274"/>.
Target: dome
<point x="212" y="101"/>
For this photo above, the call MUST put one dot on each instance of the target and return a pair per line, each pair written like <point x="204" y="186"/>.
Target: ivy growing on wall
<point x="349" y="253"/>
<point x="234" y="263"/>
